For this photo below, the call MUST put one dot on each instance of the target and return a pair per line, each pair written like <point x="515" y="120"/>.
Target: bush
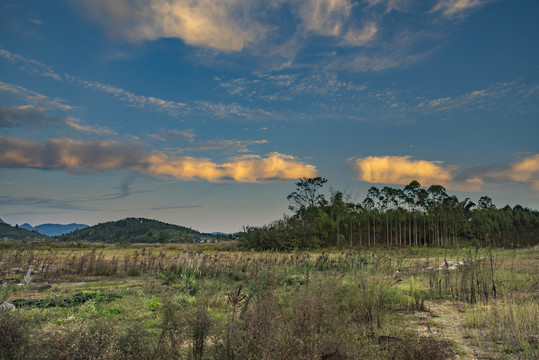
<point x="13" y="335"/>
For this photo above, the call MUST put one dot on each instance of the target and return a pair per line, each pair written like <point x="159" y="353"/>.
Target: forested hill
<point x="134" y="230"/>
<point x="8" y="232"/>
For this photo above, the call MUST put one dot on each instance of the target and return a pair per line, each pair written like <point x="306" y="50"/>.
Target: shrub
<point x="13" y="335"/>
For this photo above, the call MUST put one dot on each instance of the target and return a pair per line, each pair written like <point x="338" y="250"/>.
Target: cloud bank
<point x="403" y="169"/>
<point x="82" y="155"/>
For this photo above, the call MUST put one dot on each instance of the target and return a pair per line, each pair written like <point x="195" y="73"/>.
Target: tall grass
<point x="247" y="305"/>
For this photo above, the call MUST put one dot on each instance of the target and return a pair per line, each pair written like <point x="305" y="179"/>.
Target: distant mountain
<point x="2" y="221"/>
<point x="133" y="230"/>
<point x="8" y="232"/>
<point x="53" y="229"/>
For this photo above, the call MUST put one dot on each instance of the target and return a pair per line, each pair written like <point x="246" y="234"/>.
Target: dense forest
<point x="392" y="217"/>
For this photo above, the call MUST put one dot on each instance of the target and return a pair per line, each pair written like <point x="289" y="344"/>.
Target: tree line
<point x="393" y="217"/>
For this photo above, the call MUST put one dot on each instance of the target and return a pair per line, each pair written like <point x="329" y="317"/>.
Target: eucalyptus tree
<point x="371" y="205"/>
<point x="337" y="209"/>
<point x="437" y="195"/>
<point x="411" y="197"/>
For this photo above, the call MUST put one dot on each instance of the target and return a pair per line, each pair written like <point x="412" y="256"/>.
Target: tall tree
<point x="307" y="194"/>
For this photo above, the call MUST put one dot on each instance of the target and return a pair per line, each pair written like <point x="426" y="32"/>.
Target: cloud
<point x="524" y="170"/>
<point x="229" y="145"/>
<point x="30" y="116"/>
<point x="513" y="94"/>
<point x="39" y="200"/>
<point x="139" y="101"/>
<point x="282" y="32"/>
<point x="325" y="17"/>
<point x="38" y="100"/>
<point x="450" y="8"/>
<point x="76" y="124"/>
<point x="401" y="170"/>
<point x="175" y="108"/>
<point x="30" y="66"/>
<point x="25" y="116"/>
<point x="285" y="87"/>
<point x="226" y="25"/>
<point x="75" y="155"/>
<point x="361" y="37"/>
<point x="173" y="134"/>
<point x="477" y="99"/>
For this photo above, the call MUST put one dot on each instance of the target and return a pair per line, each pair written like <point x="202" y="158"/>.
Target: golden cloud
<point x="73" y="155"/>
<point x="216" y="24"/>
<point x="401" y="170"/>
<point x="525" y="169"/>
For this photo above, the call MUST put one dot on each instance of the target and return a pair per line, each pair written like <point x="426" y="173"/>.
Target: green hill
<point x="8" y="232"/>
<point x="134" y="230"/>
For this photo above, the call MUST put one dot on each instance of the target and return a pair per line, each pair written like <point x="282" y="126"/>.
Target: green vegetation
<point x="409" y="217"/>
<point x="9" y="232"/>
<point x="140" y="230"/>
<point x="163" y="301"/>
<point x="132" y="230"/>
<point x="405" y="274"/>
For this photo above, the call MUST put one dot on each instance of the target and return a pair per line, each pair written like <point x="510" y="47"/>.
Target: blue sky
<point x="204" y="113"/>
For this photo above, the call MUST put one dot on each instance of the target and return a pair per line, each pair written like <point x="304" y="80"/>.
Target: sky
<point x="204" y="113"/>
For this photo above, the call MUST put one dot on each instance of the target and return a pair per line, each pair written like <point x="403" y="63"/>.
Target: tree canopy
<point x="393" y="217"/>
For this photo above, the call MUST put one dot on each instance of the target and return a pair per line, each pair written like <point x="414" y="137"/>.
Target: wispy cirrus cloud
<point x="43" y="201"/>
<point x="232" y="146"/>
<point x="37" y="112"/>
<point x="78" y="125"/>
<point x="355" y="37"/>
<point x="471" y="100"/>
<point x="175" y="108"/>
<point x="285" y="87"/>
<point x="513" y="93"/>
<point x="173" y="134"/>
<point x="140" y="101"/>
<point x="34" y="98"/>
<point x="450" y="8"/>
<point x="325" y="17"/>
<point x="75" y="155"/>
<point x="403" y="169"/>
<point x="149" y="103"/>
<point x="28" y="65"/>
<point x="229" y="145"/>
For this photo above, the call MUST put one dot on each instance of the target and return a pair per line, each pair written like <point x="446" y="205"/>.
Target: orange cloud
<point x="209" y="23"/>
<point x="401" y="170"/>
<point x="249" y="169"/>
<point x="73" y="155"/>
<point x="524" y="170"/>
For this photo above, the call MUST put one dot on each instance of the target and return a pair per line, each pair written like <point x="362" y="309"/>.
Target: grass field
<point x="97" y="301"/>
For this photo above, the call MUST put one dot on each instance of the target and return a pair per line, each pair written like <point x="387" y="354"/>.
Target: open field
<point x="90" y="301"/>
